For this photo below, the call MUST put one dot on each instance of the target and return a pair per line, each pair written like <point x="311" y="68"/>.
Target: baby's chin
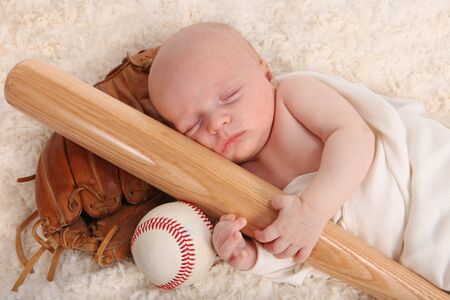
<point x="232" y="157"/>
<point x="241" y="157"/>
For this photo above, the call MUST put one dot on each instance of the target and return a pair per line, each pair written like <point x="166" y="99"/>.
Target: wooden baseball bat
<point x="186" y="170"/>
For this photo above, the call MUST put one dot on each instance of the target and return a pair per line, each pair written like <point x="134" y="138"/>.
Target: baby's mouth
<point x="232" y="140"/>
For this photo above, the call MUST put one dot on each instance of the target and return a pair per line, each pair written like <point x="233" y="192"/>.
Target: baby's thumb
<point x="279" y="202"/>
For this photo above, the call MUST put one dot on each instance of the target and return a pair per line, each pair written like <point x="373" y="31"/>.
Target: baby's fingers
<point x="230" y="223"/>
<point x="229" y="248"/>
<point x="269" y="234"/>
<point x="224" y="230"/>
<point x="239" y="260"/>
<point x="228" y="217"/>
<point x="289" y="252"/>
<point x="227" y="226"/>
<point x="278" y="246"/>
<point x="302" y="254"/>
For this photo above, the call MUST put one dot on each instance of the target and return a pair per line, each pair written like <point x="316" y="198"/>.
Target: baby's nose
<point x="218" y="123"/>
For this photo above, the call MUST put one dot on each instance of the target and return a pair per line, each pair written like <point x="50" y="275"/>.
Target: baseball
<point x="172" y="245"/>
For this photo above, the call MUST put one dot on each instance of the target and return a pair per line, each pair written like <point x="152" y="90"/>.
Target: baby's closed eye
<point x="192" y="129"/>
<point x="229" y="97"/>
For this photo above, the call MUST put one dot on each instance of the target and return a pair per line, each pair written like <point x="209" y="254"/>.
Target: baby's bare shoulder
<point x="316" y="105"/>
<point x="300" y="86"/>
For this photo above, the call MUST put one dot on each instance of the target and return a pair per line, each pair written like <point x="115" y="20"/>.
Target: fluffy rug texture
<point x="398" y="48"/>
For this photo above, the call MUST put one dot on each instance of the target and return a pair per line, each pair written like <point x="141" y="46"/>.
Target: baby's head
<point x="209" y="83"/>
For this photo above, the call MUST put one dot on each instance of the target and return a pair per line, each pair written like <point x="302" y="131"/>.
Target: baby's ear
<point x="266" y="69"/>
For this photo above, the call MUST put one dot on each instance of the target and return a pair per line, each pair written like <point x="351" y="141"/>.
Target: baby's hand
<point x="231" y="245"/>
<point x="296" y="230"/>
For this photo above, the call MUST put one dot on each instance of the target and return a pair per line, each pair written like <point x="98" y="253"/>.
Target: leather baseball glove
<point x="84" y="202"/>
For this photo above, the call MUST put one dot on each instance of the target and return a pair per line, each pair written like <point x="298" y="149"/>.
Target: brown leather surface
<point x="126" y="218"/>
<point x="83" y="201"/>
<point x="101" y="194"/>
<point x="128" y="82"/>
<point x="70" y="179"/>
<point x="56" y="203"/>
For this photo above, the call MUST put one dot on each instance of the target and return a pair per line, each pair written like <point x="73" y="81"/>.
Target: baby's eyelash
<point x="192" y="127"/>
<point x="187" y="129"/>
<point x="229" y="97"/>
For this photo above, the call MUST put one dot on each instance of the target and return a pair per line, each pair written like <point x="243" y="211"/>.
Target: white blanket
<point x="403" y="206"/>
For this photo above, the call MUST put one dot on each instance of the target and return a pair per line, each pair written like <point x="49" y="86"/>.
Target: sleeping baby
<point x="337" y="149"/>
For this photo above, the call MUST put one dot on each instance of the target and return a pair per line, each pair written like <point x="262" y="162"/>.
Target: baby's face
<point x="222" y="102"/>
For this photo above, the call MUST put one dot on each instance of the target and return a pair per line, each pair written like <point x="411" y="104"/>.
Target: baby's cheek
<point x="243" y="152"/>
<point x="206" y="141"/>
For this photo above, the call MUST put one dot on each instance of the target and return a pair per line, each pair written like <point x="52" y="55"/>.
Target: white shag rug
<point x="398" y="48"/>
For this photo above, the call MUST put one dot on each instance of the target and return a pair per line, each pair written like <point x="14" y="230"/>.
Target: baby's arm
<point x="347" y="155"/>
<point x="231" y="246"/>
<point x="348" y="141"/>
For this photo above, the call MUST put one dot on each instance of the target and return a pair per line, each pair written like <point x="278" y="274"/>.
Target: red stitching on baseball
<point x="181" y="236"/>
<point x="199" y="212"/>
<point x="184" y="242"/>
